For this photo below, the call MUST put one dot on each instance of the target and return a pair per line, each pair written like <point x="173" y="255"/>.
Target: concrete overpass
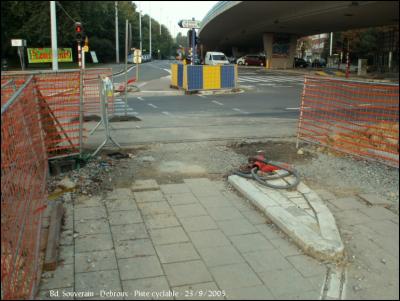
<point x="275" y="26"/>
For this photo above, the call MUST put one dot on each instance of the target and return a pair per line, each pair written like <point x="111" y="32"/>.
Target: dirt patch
<point x="124" y="118"/>
<point x="282" y="151"/>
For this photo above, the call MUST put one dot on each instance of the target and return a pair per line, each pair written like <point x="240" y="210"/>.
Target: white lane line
<point x="120" y="104"/>
<point x="202" y="96"/>
<point x="166" y="113"/>
<point x="151" y="105"/>
<point x="297" y="108"/>
<point x="241" y="79"/>
<point x="128" y="70"/>
<point x="168" y="70"/>
<point x="217" y="102"/>
<point x="140" y="98"/>
<point x="240" y="111"/>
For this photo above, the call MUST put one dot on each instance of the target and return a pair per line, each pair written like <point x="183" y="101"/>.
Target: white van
<point x="216" y="58"/>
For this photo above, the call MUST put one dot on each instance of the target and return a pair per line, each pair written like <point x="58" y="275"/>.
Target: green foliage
<point x="30" y="20"/>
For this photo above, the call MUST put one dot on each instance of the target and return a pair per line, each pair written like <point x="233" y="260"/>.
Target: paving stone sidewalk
<point x="370" y="233"/>
<point x="194" y="240"/>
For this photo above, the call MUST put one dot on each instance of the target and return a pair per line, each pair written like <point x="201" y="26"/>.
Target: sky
<point x="169" y="13"/>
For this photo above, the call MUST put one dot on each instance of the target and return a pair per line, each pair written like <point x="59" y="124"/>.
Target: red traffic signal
<point x="78" y="31"/>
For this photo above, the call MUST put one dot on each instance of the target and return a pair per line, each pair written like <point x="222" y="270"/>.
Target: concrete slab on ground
<point x="316" y="234"/>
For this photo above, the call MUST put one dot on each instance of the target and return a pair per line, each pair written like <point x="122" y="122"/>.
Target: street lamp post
<point x="140" y="30"/>
<point x="150" y="35"/>
<point x="116" y="34"/>
<point x="54" y="35"/>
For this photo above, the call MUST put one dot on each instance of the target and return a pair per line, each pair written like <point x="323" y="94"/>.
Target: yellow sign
<point x="85" y="49"/>
<point x="44" y="55"/>
<point x="137" y="52"/>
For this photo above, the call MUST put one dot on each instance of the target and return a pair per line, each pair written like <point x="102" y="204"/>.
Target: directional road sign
<point x="189" y="24"/>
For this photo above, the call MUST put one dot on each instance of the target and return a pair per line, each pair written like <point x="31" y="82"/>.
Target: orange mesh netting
<point x="358" y="118"/>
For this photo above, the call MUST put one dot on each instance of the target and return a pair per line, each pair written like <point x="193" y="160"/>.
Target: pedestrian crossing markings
<point x="271" y="79"/>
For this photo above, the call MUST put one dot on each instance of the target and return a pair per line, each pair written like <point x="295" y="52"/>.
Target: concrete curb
<point x="327" y="246"/>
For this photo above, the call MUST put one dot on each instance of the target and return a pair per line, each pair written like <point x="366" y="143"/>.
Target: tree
<point x="30" y="20"/>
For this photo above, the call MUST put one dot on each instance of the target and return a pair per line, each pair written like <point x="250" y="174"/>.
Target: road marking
<point x="128" y="70"/>
<point x="151" y="105"/>
<point x="166" y="113"/>
<point x="169" y="71"/>
<point x="140" y="98"/>
<point x="240" y="111"/>
<point x="305" y="108"/>
<point x="217" y="102"/>
<point x="141" y="84"/>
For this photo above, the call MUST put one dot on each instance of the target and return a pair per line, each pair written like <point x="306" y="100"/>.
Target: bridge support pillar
<point x="235" y="52"/>
<point x="280" y="50"/>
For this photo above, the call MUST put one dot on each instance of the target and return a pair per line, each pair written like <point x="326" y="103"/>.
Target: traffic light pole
<point x="79" y="54"/>
<point x="83" y="59"/>
<point x="193" y="45"/>
<point x="126" y="67"/>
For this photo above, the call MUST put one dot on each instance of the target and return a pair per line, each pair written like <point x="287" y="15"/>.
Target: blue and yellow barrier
<point x="203" y="77"/>
<point x="174" y="75"/>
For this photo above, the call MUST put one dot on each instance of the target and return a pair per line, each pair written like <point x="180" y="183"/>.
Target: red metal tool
<point x="259" y="162"/>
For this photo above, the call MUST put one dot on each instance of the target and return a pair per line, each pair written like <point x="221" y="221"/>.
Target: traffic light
<point x="78" y="31"/>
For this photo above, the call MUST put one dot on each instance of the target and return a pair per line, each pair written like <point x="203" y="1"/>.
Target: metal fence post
<point x="104" y="116"/>
<point x="80" y="112"/>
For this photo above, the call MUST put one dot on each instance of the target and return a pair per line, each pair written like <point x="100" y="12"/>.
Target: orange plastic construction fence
<point x="9" y="85"/>
<point x="358" y="118"/>
<point x="23" y="193"/>
<point x="59" y="101"/>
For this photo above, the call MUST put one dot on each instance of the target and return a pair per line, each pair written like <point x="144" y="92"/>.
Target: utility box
<point x="362" y="67"/>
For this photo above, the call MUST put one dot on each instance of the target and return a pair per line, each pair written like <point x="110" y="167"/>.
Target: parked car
<point x="240" y="61"/>
<point x="252" y="60"/>
<point x="318" y="63"/>
<point x="216" y="58"/>
<point x="197" y="61"/>
<point x="298" y="62"/>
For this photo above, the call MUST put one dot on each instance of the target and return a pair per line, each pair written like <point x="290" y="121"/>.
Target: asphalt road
<point x="270" y="94"/>
<point x="147" y="71"/>
<point x="268" y="107"/>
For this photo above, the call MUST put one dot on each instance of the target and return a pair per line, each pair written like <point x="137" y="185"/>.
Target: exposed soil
<point x="283" y="151"/>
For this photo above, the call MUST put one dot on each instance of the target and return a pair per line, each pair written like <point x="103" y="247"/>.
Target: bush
<point x="105" y="49"/>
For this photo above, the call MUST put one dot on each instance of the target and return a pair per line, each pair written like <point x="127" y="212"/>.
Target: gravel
<point x="172" y="162"/>
<point x="337" y="172"/>
<point x="90" y="179"/>
<point x="344" y="174"/>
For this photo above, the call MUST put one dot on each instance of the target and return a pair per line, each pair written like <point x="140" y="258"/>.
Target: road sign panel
<point x="137" y="52"/>
<point x="18" y="42"/>
<point x="137" y="59"/>
<point x="189" y="24"/>
<point x="85" y="49"/>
